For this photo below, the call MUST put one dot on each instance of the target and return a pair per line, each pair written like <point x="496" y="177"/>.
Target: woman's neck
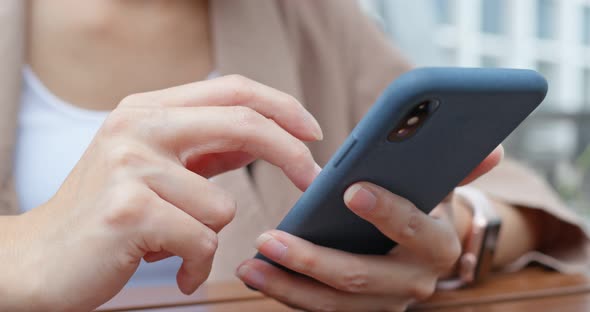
<point x="93" y="53"/>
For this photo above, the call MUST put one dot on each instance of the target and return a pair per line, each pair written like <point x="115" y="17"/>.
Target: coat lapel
<point x="250" y="40"/>
<point x="12" y="42"/>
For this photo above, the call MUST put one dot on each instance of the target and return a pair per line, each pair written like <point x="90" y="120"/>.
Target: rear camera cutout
<point x="413" y="121"/>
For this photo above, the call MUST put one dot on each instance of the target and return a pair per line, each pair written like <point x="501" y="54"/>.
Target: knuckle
<point x="127" y="205"/>
<point x="247" y="117"/>
<point x="136" y="120"/>
<point x="227" y="210"/>
<point x="141" y="99"/>
<point x="137" y="196"/>
<point x="242" y="88"/>
<point x="448" y="256"/>
<point x="118" y="122"/>
<point x="421" y="291"/>
<point x="411" y="227"/>
<point x="302" y="154"/>
<point x="124" y="156"/>
<point x="224" y="212"/>
<point x="328" y="304"/>
<point x="306" y="263"/>
<point x="209" y="244"/>
<point x="354" y="280"/>
<point x="132" y="100"/>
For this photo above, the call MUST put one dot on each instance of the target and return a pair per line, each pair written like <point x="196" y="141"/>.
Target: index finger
<point x="486" y="165"/>
<point x="401" y="221"/>
<point x="236" y="90"/>
<point x="351" y="273"/>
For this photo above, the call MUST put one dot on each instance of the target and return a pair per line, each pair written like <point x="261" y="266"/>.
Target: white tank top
<point x="52" y="135"/>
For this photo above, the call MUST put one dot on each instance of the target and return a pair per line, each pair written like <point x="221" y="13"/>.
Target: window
<point x="489" y="61"/>
<point x="550" y="72"/>
<point x="586" y="88"/>
<point x="546" y="19"/>
<point x="493" y="16"/>
<point x="448" y="57"/>
<point x="586" y="25"/>
<point x="550" y="139"/>
<point x="444" y="11"/>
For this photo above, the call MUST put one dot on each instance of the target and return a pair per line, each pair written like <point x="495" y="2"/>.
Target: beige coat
<point x="325" y="53"/>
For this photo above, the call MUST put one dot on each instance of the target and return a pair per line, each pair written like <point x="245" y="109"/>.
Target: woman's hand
<point x="428" y="247"/>
<point x="141" y="191"/>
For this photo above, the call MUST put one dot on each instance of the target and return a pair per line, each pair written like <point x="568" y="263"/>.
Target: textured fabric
<point x="328" y="55"/>
<point x="12" y="40"/>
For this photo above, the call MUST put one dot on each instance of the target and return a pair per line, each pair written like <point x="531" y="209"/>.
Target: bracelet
<point x="476" y="262"/>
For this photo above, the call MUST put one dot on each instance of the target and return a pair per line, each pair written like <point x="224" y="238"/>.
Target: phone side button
<point x="345" y="152"/>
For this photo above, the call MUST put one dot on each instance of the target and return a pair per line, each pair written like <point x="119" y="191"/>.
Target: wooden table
<point x="533" y="289"/>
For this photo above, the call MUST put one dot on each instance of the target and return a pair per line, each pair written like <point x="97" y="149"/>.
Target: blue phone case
<point x="478" y="108"/>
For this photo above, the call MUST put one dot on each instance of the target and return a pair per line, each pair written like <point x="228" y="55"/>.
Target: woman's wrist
<point x="462" y="218"/>
<point x="517" y="236"/>
<point x="19" y="283"/>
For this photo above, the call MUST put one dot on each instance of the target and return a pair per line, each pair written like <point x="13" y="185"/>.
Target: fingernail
<point x="360" y="198"/>
<point x="317" y="169"/>
<point x="251" y="276"/>
<point x="317" y="130"/>
<point x="271" y="247"/>
<point x="502" y="151"/>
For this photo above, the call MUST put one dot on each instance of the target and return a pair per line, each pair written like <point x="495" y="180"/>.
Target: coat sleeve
<point x="568" y="250"/>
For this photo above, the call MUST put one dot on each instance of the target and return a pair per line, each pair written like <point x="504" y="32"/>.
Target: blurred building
<point x="551" y="36"/>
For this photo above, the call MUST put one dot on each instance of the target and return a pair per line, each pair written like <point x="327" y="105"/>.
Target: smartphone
<point x="429" y="129"/>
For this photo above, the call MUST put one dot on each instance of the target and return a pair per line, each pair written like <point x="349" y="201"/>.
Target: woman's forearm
<point x="14" y="285"/>
<point x="519" y="234"/>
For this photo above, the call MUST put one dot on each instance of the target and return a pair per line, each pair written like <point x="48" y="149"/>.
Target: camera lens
<point x="413" y="120"/>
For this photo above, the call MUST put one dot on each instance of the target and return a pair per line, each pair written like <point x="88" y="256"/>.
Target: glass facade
<point x="546" y="19"/>
<point x="586" y="88"/>
<point x="493" y="15"/>
<point x="444" y="11"/>
<point x="448" y="57"/>
<point x="489" y="61"/>
<point x="586" y="25"/>
<point x="550" y="72"/>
